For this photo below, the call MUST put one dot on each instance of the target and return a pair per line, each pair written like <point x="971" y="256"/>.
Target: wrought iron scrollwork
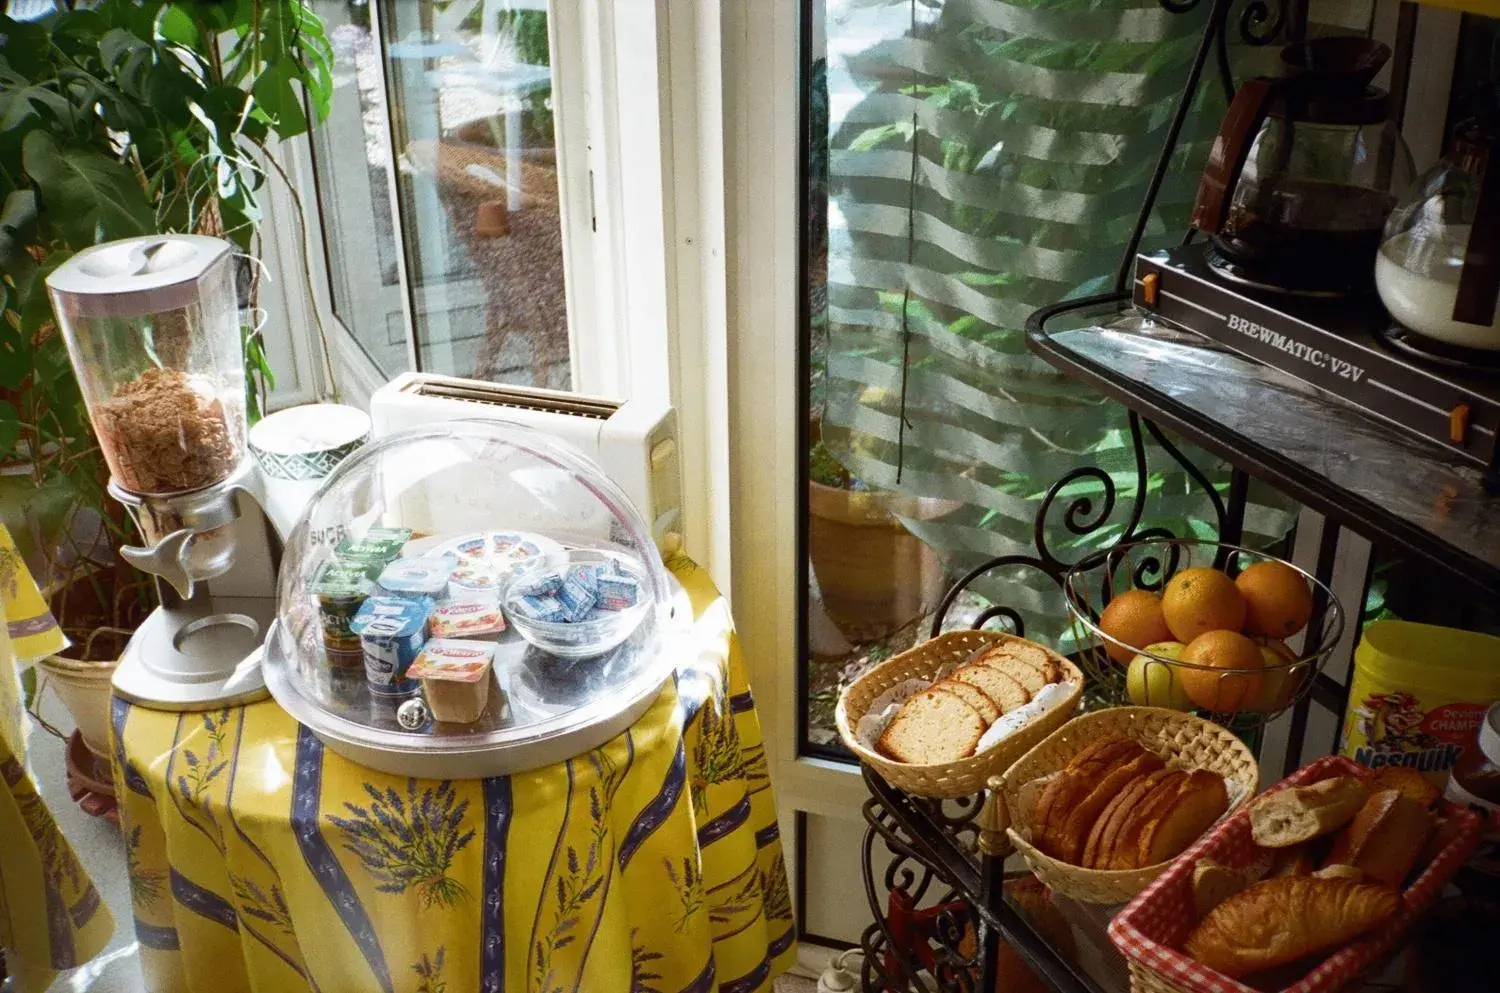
<point x="1085" y="514"/>
<point x="945" y="953"/>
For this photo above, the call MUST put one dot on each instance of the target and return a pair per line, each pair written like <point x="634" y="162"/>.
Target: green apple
<point x="1280" y="683"/>
<point x="1151" y="683"/>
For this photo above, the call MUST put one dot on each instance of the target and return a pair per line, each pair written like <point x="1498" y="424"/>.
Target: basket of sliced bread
<point x="1100" y="808"/>
<point x="1303" y="891"/>
<point x="941" y="719"/>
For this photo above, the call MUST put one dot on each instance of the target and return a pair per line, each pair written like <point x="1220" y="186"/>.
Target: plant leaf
<point x="89" y="196"/>
<point x="276" y="93"/>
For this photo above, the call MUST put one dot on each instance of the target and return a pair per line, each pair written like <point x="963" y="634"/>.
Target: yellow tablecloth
<point x="51" y="917"/>
<point x="651" y="865"/>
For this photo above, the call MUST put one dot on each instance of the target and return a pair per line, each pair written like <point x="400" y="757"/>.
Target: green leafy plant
<point x="122" y="118"/>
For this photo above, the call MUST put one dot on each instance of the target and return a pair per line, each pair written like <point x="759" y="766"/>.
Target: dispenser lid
<point x="136" y="276"/>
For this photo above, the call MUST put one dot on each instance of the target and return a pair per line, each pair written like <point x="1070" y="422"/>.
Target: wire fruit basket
<point x="1202" y="664"/>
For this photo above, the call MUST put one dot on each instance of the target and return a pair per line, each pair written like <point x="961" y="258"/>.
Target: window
<point x="436" y="178"/>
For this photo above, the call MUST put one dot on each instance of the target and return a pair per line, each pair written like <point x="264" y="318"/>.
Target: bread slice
<point x="1072" y="839"/>
<point x="1277" y="921"/>
<point x="1301" y="813"/>
<point x="981" y="701"/>
<point x="1213" y="883"/>
<point x="1125" y="853"/>
<point x="1035" y="656"/>
<point x="996" y="685"/>
<point x="1101" y="754"/>
<point x="1201" y="799"/>
<point x="1031" y="677"/>
<point x="1107" y="827"/>
<point x="1385" y="838"/>
<point x="932" y="727"/>
<point x="1061" y="792"/>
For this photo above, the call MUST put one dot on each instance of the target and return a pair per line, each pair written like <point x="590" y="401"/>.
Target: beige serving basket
<point x="1184" y="741"/>
<point x="964" y="777"/>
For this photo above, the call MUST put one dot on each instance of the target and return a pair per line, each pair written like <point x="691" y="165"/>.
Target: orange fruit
<point x="1199" y="600"/>
<point x="1134" y="618"/>
<point x="1277" y="599"/>
<point x="1226" y="691"/>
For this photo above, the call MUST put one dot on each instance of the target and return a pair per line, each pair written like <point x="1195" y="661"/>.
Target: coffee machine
<point x="152" y="327"/>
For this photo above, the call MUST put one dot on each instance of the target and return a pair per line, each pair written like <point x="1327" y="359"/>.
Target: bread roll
<point x="1386" y="837"/>
<point x="1280" y="920"/>
<point x="1301" y="813"/>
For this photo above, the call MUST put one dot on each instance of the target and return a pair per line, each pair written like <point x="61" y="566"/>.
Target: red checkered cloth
<point x="1155" y="924"/>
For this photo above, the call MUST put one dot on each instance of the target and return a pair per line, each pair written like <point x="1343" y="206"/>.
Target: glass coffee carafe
<point x="1439" y="266"/>
<point x="1304" y="172"/>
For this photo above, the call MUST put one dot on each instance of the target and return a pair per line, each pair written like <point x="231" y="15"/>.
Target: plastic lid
<point x="136" y="276"/>
<point x="483" y="499"/>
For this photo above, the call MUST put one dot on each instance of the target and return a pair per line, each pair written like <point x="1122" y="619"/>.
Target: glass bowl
<point x="601" y="630"/>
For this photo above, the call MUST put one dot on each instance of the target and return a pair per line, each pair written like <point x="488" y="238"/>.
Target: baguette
<point x="1409" y="781"/>
<point x="1126" y="851"/>
<point x="1277" y="921"/>
<point x="1386" y="837"/>
<point x="1301" y="813"/>
<point x="1214" y="883"/>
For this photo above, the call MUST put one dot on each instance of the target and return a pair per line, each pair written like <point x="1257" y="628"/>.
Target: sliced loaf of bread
<point x="975" y="697"/>
<point x="932" y="726"/>
<point x="997" y="684"/>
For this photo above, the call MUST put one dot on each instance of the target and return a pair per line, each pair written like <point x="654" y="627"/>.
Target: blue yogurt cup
<point x="392" y="632"/>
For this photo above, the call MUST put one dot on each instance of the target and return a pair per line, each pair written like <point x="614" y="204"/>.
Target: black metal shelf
<point x="1366" y="476"/>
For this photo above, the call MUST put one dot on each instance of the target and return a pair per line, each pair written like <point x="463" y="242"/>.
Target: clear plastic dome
<point x="469" y="598"/>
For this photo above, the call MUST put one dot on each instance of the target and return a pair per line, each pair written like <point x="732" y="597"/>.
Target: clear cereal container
<point x="460" y="538"/>
<point x="152" y="327"/>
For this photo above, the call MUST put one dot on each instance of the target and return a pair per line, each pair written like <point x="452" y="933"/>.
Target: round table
<point x="259" y="861"/>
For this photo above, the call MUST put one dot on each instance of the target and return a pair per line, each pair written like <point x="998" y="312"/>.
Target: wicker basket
<point x="1185" y="741"/>
<point x="945" y="780"/>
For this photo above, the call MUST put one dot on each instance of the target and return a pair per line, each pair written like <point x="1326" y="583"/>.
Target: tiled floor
<point x="99" y="847"/>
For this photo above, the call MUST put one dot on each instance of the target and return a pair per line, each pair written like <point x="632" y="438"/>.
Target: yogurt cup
<point x="391" y="632"/>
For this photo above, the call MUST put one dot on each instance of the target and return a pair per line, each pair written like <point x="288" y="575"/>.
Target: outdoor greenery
<point x="123" y="118"/>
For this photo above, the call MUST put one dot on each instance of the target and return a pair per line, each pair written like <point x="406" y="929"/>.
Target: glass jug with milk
<point x="1438" y="269"/>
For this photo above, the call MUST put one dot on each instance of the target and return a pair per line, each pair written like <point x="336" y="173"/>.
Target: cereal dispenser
<point x="152" y="327"/>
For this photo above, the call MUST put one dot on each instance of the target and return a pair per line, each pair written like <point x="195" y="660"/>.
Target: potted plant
<point x="122" y="118"/>
<point x="873" y="574"/>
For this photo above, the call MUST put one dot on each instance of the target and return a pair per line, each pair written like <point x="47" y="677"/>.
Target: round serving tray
<point x="541" y="710"/>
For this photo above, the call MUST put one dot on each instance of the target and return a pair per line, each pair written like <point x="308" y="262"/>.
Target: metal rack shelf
<point x="1369" y="477"/>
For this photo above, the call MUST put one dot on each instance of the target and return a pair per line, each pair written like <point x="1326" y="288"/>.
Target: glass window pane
<point x="963" y="173"/>
<point x="353" y="190"/>
<point x="471" y="89"/>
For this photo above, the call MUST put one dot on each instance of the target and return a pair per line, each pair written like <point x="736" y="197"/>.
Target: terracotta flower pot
<point x="83" y="688"/>
<point x="874" y="575"/>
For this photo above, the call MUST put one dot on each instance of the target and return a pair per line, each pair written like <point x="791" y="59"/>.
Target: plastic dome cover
<point x="480" y="534"/>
